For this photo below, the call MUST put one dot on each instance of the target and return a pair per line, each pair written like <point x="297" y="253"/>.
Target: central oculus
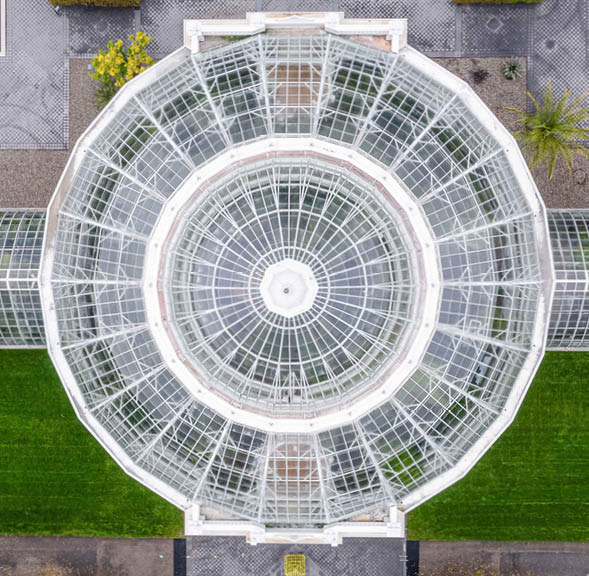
<point x="289" y="287"/>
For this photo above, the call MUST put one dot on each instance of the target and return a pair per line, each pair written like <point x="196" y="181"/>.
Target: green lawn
<point x="533" y="484"/>
<point x="55" y="479"/>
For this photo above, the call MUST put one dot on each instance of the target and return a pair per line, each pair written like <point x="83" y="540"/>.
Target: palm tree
<point x="553" y="130"/>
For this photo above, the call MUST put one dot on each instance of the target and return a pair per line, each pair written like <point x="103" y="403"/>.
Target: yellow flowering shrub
<point x="117" y="65"/>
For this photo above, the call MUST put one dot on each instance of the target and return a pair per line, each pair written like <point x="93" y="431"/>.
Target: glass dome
<point x="290" y="284"/>
<point x="296" y="278"/>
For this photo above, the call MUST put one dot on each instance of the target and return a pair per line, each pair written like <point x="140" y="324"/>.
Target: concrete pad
<point x="91" y="28"/>
<point x="542" y="558"/>
<point x="490" y="30"/>
<point x="49" y="556"/>
<point x="33" y="78"/>
<point x="135" y="557"/>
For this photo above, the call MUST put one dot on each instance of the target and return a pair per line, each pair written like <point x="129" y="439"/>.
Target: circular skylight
<point x="289" y="284"/>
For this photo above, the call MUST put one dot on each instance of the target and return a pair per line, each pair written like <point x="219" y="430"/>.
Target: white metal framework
<point x="453" y="170"/>
<point x="569" y="321"/>
<point x="307" y="414"/>
<point x="21" y="241"/>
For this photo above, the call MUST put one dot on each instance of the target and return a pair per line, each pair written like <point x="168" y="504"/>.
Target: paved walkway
<point x="34" y="72"/>
<point x="533" y="558"/>
<point x="34" y="78"/>
<point x="45" y="556"/>
<point x="232" y="556"/>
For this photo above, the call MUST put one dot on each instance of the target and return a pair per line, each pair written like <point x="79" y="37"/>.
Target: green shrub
<point x="102" y="3"/>
<point x="553" y="130"/>
<point x="497" y="1"/>
<point x="512" y="68"/>
<point x="479" y="75"/>
<point x="104" y="94"/>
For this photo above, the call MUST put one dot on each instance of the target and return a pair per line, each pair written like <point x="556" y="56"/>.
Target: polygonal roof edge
<point x="394" y="30"/>
<point x="441" y="482"/>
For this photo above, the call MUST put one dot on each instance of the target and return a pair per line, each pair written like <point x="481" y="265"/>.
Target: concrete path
<point x="232" y="556"/>
<point x="40" y="556"/>
<point x="533" y="558"/>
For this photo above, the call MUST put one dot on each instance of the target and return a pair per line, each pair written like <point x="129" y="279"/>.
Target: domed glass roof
<point x="290" y="284"/>
<point x="296" y="278"/>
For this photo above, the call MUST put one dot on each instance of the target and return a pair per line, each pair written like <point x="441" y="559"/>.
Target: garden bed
<point x="565" y="190"/>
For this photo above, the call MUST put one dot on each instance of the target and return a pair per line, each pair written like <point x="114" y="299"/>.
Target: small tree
<point x="553" y="130"/>
<point x="117" y="65"/>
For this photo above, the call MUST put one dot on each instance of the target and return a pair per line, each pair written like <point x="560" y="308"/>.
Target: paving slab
<point x="162" y="19"/>
<point x="542" y="558"/>
<point x="232" y="556"/>
<point x="49" y="556"/>
<point x="91" y="28"/>
<point x="297" y="5"/>
<point x="431" y="23"/>
<point x="34" y="77"/>
<point x="496" y="30"/>
<point x="560" y="47"/>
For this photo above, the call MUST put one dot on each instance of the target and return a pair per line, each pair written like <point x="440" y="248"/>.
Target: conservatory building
<point x="296" y="278"/>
